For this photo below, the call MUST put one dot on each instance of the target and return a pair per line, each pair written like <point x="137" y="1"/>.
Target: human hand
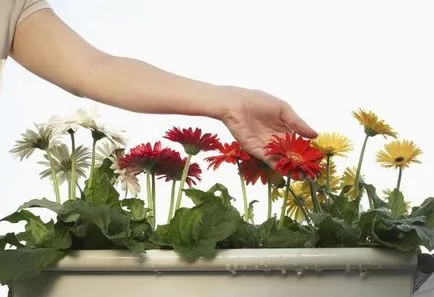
<point x="253" y="117"/>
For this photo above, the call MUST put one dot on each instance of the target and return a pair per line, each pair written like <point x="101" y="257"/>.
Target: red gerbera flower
<point x="297" y="158"/>
<point x="230" y="153"/>
<point x="145" y="157"/>
<point x="193" y="140"/>
<point x="253" y="169"/>
<point x="172" y="166"/>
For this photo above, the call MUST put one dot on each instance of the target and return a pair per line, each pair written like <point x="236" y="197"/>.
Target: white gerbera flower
<point x="115" y="137"/>
<point x="86" y="118"/>
<point x="129" y="182"/>
<point x="41" y="138"/>
<point x="62" y="162"/>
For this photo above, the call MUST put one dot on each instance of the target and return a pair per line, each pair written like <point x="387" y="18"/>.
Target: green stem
<point x="54" y="176"/>
<point x="182" y="182"/>
<point x="316" y="205"/>
<point x="154" y="206"/>
<point x="329" y="187"/>
<point x="172" y="201"/>
<point x="284" y="203"/>
<point x="398" y="184"/>
<point x="92" y="164"/>
<point x="149" y="192"/>
<point x="306" y="215"/>
<point x="73" y="174"/>
<point x="359" y="167"/>
<point x="270" y="200"/>
<point x="243" y="190"/>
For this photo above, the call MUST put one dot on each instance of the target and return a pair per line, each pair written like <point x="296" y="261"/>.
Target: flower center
<point x="295" y="157"/>
<point x="399" y="159"/>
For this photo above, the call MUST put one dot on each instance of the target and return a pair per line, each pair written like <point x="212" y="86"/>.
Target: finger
<point x="296" y="123"/>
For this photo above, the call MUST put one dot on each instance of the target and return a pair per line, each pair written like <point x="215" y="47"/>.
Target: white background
<point x="326" y="58"/>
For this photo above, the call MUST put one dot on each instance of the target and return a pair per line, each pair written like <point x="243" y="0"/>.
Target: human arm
<point x="49" y="48"/>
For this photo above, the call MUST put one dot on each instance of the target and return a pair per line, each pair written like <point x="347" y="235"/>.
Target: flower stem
<point x="154" y="211"/>
<point x="284" y="203"/>
<point x="54" y="176"/>
<point x="92" y="164"/>
<point x="182" y="182"/>
<point x="73" y="174"/>
<point x="316" y="205"/>
<point x="243" y="190"/>
<point x="359" y="167"/>
<point x="398" y="184"/>
<point x="172" y="201"/>
<point x="149" y="192"/>
<point x="329" y="187"/>
<point x="270" y="201"/>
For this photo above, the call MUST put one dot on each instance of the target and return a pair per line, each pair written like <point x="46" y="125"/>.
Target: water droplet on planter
<point x="283" y="272"/>
<point x="348" y="268"/>
<point x="363" y="273"/>
<point x="317" y="269"/>
<point x="245" y="266"/>
<point x="299" y="272"/>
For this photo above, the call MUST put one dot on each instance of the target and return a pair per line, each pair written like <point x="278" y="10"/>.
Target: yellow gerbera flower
<point x="332" y="144"/>
<point x="293" y="210"/>
<point x="399" y="154"/>
<point x="348" y="179"/>
<point x="373" y="125"/>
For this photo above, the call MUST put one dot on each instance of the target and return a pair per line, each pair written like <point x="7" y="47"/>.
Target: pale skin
<point x="46" y="46"/>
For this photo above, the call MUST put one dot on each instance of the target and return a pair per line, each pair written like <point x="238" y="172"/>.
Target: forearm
<point x="141" y="87"/>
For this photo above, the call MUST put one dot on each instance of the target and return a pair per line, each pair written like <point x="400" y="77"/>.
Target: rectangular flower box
<point x="325" y="272"/>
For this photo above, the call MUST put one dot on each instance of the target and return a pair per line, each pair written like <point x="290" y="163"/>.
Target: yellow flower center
<point x="295" y="157"/>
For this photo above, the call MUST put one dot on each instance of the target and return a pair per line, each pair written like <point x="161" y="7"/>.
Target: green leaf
<point x="426" y="209"/>
<point x="102" y="192"/>
<point x="218" y="191"/>
<point x="246" y="236"/>
<point x="250" y="215"/>
<point x="266" y="229"/>
<point x="11" y="239"/>
<point x="335" y="232"/>
<point x="342" y="207"/>
<point x="372" y="194"/>
<point x="366" y="223"/>
<point x="37" y="232"/>
<point x="389" y="234"/>
<point x="136" y="208"/>
<point x="22" y="263"/>
<point x="195" y="232"/>
<point x="397" y="204"/>
<point x="285" y="238"/>
<point x="43" y="203"/>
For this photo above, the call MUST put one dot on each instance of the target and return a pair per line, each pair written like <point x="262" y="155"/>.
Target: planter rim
<point x="240" y="259"/>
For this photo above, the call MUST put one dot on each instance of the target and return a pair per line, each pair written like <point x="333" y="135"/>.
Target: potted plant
<point x="104" y="239"/>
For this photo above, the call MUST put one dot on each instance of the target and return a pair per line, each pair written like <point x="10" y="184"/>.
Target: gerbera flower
<point x="297" y="158"/>
<point x="254" y="169"/>
<point x="349" y="179"/>
<point x="41" y="138"/>
<point x="230" y="153"/>
<point x="86" y="118"/>
<point x="129" y="181"/>
<point x="62" y="162"/>
<point x="399" y="154"/>
<point x="373" y="126"/>
<point x="108" y="150"/>
<point x="144" y="157"/>
<point x="332" y="144"/>
<point x="172" y="166"/>
<point x="192" y="140"/>
<point x="294" y="207"/>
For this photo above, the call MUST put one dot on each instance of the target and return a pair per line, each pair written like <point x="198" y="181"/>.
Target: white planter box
<point x="342" y="272"/>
